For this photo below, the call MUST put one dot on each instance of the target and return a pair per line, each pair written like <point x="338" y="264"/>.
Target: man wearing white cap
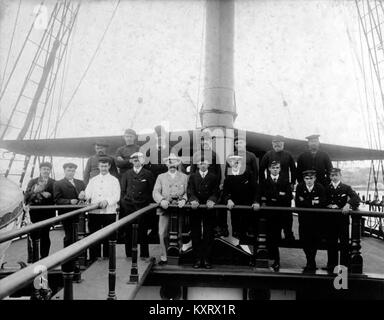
<point x="136" y="193"/>
<point x="170" y="188"/>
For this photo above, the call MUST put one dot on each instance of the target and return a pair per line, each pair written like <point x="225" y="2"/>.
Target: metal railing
<point x="21" y="278"/>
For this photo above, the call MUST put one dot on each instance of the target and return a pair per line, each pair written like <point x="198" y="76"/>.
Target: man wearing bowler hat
<point x="123" y="153"/>
<point x="287" y="173"/>
<point x="92" y="167"/>
<point x="314" y="159"/>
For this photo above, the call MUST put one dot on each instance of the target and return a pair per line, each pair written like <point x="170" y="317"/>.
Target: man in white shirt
<point x="103" y="189"/>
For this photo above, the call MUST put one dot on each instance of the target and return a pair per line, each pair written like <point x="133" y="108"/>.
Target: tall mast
<point x="219" y="109"/>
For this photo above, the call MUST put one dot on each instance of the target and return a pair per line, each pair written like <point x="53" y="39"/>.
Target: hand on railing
<point x="181" y="203"/>
<point x="164" y="204"/>
<point x="210" y="204"/>
<point x="194" y="204"/>
<point x="256" y="206"/>
<point x="346" y="209"/>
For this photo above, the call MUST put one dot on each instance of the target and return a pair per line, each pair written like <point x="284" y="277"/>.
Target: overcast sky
<point x="295" y="70"/>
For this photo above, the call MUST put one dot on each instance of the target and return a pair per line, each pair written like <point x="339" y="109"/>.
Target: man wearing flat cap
<point x="314" y="159"/>
<point x="287" y="172"/>
<point x="123" y="153"/>
<point x="68" y="191"/>
<point x="136" y="193"/>
<point x="310" y="194"/>
<point x="170" y="188"/>
<point x="40" y="192"/>
<point x="339" y="196"/>
<point x="92" y="167"/>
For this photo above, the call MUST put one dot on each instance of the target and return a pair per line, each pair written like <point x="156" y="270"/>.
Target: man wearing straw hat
<point x="170" y="188"/>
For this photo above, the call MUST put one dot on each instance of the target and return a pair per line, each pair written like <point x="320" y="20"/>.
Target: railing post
<point x="356" y="258"/>
<point x="29" y="249"/>
<point x="77" y="274"/>
<point x="134" y="277"/>
<point x="35" y="249"/>
<point x="112" y="270"/>
<point x="261" y="251"/>
<point x="173" y="251"/>
<point x="68" y="285"/>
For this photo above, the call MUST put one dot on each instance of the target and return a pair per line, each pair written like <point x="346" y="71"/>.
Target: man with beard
<point x="92" y="167"/>
<point x="40" y="192"/>
<point x="170" y="188"/>
<point x="314" y="159"/>
<point x="123" y="153"/>
<point x="287" y="173"/>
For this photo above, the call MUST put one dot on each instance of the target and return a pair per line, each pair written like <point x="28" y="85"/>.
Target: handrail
<point x="44" y="223"/>
<point x="20" y="278"/>
<point x="289" y="209"/>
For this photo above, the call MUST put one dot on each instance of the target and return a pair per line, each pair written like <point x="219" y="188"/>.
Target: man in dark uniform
<point x="123" y="153"/>
<point x="240" y="188"/>
<point x="68" y="191"/>
<point x="203" y="188"/>
<point x="136" y="193"/>
<point x="92" y="167"/>
<point x="40" y="192"/>
<point x="314" y="159"/>
<point x="339" y="196"/>
<point x="287" y="172"/>
<point x="275" y="191"/>
<point x="310" y="194"/>
<point x="206" y="151"/>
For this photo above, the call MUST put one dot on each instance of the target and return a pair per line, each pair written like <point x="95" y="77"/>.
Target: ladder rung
<point x="38" y="45"/>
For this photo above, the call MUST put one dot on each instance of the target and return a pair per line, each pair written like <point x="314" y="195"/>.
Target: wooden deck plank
<point x="94" y="285"/>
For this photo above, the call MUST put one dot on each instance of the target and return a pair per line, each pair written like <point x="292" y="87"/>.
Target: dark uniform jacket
<point x="34" y="198"/>
<point x="92" y="168"/>
<point x="214" y="167"/>
<point x="241" y="189"/>
<point x="137" y="188"/>
<point x="319" y="162"/>
<point x="287" y="164"/>
<point x="202" y="190"/>
<point x="277" y="193"/>
<point x="125" y="152"/>
<point x="155" y="164"/>
<point x="64" y="191"/>
<point x="314" y="199"/>
<point x="342" y="195"/>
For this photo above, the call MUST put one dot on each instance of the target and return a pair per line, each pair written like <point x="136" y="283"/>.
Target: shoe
<point x="186" y="246"/>
<point x="197" y="264"/>
<point x="276" y="266"/>
<point x="207" y="264"/>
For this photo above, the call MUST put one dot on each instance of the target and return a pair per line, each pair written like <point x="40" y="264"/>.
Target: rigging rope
<point x="89" y="64"/>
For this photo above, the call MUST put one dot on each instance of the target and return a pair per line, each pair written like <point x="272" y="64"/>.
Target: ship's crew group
<point x="126" y="180"/>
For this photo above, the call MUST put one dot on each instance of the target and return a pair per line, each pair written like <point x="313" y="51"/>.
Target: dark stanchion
<point x="173" y="251"/>
<point x="35" y="250"/>
<point x="68" y="285"/>
<point x="29" y="249"/>
<point x="112" y="270"/>
<point x="356" y="258"/>
<point x="261" y="251"/>
<point x="76" y="262"/>
<point x="134" y="277"/>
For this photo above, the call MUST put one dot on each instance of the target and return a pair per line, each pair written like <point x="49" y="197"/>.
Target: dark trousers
<point x="243" y="222"/>
<point x="202" y="242"/>
<point x="287" y="223"/>
<point x="221" y="219"/>
<point x="69" y="238"/>
<point x="43" y="233"/>
<point x="143" y="226"/>
<point x="275" y="223"/>
<point x="97" y="221"/>
<point x="337" y="228"/>
<point x="309" y="226"/>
